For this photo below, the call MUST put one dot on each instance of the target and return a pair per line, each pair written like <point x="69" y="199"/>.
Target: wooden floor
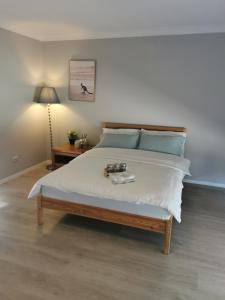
<point x="75" y="258"/>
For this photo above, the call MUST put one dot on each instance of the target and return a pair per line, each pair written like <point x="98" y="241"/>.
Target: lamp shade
<point x="48" y="95"/>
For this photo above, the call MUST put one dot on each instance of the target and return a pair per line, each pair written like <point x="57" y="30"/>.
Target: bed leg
<point x="167" y="239"/>
<point x="39" y="211"/>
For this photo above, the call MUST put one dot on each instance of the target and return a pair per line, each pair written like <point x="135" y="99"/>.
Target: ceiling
<point x="49" y="20"/>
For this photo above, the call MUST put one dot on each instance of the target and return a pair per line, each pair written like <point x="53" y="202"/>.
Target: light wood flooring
<point x="76" y="258"/>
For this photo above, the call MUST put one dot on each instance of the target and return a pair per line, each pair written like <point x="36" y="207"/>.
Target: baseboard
<point x="11" y="177"/>
<point x="205" y="183"/>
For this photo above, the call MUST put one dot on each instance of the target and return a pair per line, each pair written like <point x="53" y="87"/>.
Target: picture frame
<point x="82" y="80"/>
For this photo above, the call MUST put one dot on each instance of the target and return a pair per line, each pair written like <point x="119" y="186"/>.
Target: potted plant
<point x="72" y="136"/>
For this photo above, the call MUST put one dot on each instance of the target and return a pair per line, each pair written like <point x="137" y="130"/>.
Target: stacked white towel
<point x="122" y="177"/>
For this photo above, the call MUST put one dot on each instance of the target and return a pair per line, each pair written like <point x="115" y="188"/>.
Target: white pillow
<point x="168" y="133"/>
<point x="120" y="131"/>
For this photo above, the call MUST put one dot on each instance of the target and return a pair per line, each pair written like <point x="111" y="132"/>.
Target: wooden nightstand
<point x="63" y="154"/>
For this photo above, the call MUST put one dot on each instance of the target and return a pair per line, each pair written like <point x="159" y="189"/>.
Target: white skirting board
<point x="11" y="177"/>
<point x="205" y="183"/>
<point x="46" y="162"/>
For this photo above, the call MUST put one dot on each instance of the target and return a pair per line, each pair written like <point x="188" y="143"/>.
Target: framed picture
<point x="82" y="80"/>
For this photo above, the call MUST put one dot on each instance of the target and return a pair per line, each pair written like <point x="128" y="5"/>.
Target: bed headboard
<point x="143" y="126"/>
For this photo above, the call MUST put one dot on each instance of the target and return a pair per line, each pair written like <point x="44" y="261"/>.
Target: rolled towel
<point x="120" y="178"/>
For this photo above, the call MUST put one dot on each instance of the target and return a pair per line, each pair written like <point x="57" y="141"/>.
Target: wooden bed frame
<point x="132" y="220"/>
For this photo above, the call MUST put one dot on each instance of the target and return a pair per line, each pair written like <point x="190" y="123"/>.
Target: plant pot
<point x="72" y="141"/>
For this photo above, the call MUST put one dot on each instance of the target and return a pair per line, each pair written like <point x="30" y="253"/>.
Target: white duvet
<point x="158" y="177"/>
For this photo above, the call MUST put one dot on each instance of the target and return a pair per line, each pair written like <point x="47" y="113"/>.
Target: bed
<point x="140" y="205"/>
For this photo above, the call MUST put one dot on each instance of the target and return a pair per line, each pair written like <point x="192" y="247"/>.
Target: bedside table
<point x="63" y="154"/>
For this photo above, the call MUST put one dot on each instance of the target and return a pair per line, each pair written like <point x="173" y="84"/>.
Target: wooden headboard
<point x="143" y="126"/>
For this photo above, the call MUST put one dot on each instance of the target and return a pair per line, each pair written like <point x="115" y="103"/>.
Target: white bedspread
<point x="158" y="177"/>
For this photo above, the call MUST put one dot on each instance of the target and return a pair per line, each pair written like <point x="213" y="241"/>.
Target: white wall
<point x="174" y="80"/>
<point x="22" y="123"/>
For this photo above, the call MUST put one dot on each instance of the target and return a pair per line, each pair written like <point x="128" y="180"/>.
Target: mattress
<point x="146" y="210"/>
<point x="158" y="181"/>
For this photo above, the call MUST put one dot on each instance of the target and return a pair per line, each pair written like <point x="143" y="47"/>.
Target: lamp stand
<point x="50" y="167"/>
<point x="50" y="125"/>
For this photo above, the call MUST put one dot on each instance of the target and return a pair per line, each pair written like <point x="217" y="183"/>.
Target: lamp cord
<point x="50" y="125"/>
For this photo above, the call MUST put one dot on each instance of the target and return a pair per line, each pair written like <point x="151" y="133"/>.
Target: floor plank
<point x="77" y="258"/>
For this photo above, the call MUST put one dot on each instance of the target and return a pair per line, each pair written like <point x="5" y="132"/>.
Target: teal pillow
<point x="113" y="140"/>
<point x="162" y="143"/>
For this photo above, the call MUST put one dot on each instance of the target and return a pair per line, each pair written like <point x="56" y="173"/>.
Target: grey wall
<point x="22" y="124"/>
<point x="174" y="80"/>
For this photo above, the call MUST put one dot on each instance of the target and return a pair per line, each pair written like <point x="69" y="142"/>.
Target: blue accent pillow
<point x="162" y="143"/>
<point x="113" y="140"/>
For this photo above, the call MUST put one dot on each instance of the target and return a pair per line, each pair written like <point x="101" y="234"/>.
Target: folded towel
<point x="119" y="178"/>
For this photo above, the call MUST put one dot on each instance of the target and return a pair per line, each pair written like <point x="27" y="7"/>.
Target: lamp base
<point x="50" y="167"/>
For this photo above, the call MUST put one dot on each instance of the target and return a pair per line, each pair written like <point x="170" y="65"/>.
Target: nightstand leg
<point x="53" y="162"/>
